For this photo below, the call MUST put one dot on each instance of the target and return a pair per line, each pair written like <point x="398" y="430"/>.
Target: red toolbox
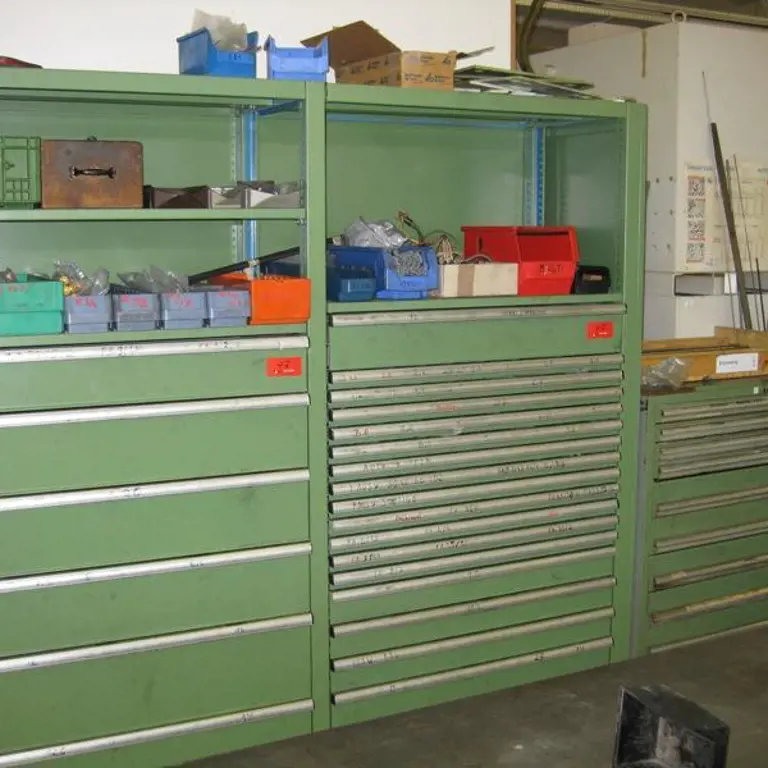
<point x="548" y="256"/>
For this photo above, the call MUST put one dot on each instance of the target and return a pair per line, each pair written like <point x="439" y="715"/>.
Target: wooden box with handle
<point x="92" y="174"/>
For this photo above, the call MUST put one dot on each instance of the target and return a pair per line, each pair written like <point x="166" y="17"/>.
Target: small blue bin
<point x="389" y="283"/>
<point x="199" y="56"/>
<point x="350" y="284"/>
<point x="297" y="63"/>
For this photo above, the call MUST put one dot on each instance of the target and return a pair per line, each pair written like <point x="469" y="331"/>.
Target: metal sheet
<point x="460" y="370"/>
<point x="83" y="415"/>
<point x="517" y="402"/>
<point x="479" y="474"/>
<point x="456" y="442"/>
<point x="561" y="381"/>
<point x="554" y="516"/>
<point x="471" y="315"/>
<point x="149" y="349"/>
<point x="464" y="493"/>
<point x="711" y="537"/>
<point x="153" y="568"/>
<point x="415" y="683"/>
<point x="473" y="574"/>
<point x="159" y="642"/>
<point x="451" y="546"/>
<point x="133" y="738"/>
<point x="540" y="502"/>
<point x="153" y="490"/>
<point x="456" y="426"/>
<point x="474" y="559"/>
<point x="467" y="641"/>
<point x="488" y="456"/>
<point x="466" y="609"/>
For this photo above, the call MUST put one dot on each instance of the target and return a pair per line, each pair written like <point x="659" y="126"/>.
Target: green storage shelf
<point x="318" y="458"/>
<point x="19" y="171"/>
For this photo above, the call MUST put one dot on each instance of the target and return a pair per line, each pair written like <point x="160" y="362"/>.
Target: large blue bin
<point x="199" y="56"/>
<point x="297" y="63"/>
<point x="392" y="282"/>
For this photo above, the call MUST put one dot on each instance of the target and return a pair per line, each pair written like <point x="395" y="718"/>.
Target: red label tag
<point x="284" y="366"/>
<point x="600" y="330"/>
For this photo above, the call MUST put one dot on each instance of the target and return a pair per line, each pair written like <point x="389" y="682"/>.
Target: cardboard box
<point x="462" y="280"/>
<point x="360" y="54"/>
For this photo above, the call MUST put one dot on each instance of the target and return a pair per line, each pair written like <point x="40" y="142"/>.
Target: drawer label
<point x="600" y="329"/>
<point x="740" y="362"/>
<point x="284" y="366"/>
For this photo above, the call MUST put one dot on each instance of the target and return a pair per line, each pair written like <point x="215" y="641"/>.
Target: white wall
<point x="140" y="35"/>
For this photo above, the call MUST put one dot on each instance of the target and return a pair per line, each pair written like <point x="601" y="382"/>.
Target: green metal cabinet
<point x="195" y="556"/>
<point x="703" y="522"/>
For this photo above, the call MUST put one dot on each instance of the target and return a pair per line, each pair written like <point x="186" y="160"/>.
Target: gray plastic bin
<point x="87" y="314"/>
<point x="183" y="310"/>
<point x="136" y="311"/>
<point x="228" y="309"/>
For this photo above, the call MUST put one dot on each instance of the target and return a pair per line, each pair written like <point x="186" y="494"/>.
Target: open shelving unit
<point x="439" y="504"/>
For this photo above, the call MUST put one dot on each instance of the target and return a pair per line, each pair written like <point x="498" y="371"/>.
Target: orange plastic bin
<point x="275" y="299"/>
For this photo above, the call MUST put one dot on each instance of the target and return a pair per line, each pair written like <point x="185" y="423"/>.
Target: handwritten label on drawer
<point x="740" y="362"/>
<point x="603" y="329"/>
<point x="284" y="366"/>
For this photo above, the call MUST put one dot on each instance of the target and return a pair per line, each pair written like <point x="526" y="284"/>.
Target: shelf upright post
<point x="633" y="267"/>
<point x="315" y="257"/>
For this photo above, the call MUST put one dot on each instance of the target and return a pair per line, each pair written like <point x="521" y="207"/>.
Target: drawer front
<point x="43" y="533"/>
<point x="148" y="372"/>
<point x="98" y="447"/>
<point x="354" y="673"/>
<point x="403" y="338"/>
<point x="702" y="438"/>
<point x="85" y="607"/>
<point x="178" y="743"/>
<point x="358" y="638"/>
<point x="90" y="692"/>
<point x="426" y="690"/>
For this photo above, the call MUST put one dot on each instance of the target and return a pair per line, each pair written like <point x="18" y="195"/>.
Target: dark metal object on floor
<point x="658" y="728"/>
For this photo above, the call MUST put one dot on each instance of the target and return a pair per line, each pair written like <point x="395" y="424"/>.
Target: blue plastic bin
<point x="199" y="56"/>
<point x="389" y="283"/>
<point x="296" y="63"/>
<point x="350" y="284"/>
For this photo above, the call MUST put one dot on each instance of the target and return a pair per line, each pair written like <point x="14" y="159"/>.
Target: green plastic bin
<point x="19" y="171"/>
<point x="30" y="307"/>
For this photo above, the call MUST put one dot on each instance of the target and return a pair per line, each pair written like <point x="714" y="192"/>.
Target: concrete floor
<point x="564" y="723"/>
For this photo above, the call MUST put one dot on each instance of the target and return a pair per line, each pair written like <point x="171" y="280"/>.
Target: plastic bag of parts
<point x="77" y="282"/>
<point x="374" y="234"/>
<point x="670" y="373"/>
<point x="155" y="280"/>
<point x="226" y="34"/>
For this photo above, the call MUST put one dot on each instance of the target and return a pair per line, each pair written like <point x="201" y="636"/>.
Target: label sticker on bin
<point x="600" y="329"/>
<point x="284" y="366"/>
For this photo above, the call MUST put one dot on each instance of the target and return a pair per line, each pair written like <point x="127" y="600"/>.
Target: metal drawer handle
<point x="75" y="172"/>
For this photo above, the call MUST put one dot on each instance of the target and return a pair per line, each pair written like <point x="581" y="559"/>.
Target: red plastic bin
<point x="548" y="256"/>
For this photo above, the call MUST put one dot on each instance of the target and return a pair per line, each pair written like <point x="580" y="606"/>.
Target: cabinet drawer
<point x="97" y="447"/>
<point x="43" y="533"/>
<point x="431" y="337"/>
<point x="95" y="691"/>
<point x="98" y="605"/>
<point x="147" y="372"/>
